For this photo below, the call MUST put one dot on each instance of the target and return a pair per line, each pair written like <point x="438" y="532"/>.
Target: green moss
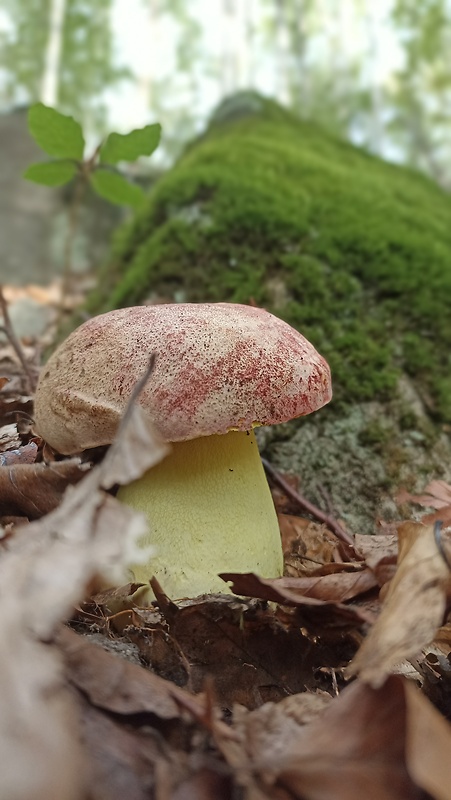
<point x="361" y="248"/>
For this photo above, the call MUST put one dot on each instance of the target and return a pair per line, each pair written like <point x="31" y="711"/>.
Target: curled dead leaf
<point x="44" y="571"/>
<point x="437" y="494"/>
<point x="33" y="490"/>
<point x="309" y="592"/>
<point x="413" y="607"/>
<point x="387" y="744"/>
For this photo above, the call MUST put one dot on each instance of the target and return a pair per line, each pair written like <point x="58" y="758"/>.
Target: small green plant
<point x="61" y="137"/>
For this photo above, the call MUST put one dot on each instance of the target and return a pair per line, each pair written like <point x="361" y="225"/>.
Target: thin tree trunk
<point x="52" y="62"/>
<point x="376" y="132"/>
<point x="147" y="81"/>
<point x="283" y="64"/>
<point x="230" y="68"/>
<point x="249" y="43"/>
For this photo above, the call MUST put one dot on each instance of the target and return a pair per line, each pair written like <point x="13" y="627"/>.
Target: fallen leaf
<point x="381" y="555"/>
<point x="283" y="591"/>
<point x="44" y="570"/>
<point x="206" y="784"/>
<point x="437" y="495"/>
<point x="23" y="455"/>
<point x="377" y="547"/>
<point x="114" y="684"/>
<point x="33" y="490"/>
<point x="365" y="745"/>
<point x="337" y="587"/>
<point x="9" y="437"/>
<point x="428" y="745"/>
<point x="413" y="607"/>
<point x="268" y="652"/>
<point x="119" y="761"/>
<point x="267" y="732"/>
<point x="133" y="760"/>
<point x="306" y="544"/>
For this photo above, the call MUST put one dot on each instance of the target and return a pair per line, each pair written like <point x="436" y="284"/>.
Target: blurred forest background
<point x="376" y="73"/>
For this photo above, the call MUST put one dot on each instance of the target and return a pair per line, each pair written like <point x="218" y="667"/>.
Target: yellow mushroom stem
<point x="210" y="510"/>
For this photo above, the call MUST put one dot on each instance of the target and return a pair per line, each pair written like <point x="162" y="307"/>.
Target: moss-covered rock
<point x="351" y="250"/>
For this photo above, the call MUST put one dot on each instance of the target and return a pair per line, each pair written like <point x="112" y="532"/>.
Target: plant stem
<point x="74" y="209"/>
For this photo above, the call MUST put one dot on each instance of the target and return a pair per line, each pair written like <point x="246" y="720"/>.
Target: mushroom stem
<point x="210" y="510"/>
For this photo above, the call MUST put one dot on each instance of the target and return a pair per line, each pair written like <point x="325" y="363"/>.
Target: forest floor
<point x="331" y="683"/>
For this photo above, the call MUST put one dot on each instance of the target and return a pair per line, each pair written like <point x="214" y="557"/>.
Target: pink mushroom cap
<point x="219" y="367"/>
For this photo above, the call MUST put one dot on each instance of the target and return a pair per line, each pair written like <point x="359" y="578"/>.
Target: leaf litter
<point x="229" y="696"/>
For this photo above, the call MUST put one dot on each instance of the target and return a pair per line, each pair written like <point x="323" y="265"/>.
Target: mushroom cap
<point x="219" y="367"/>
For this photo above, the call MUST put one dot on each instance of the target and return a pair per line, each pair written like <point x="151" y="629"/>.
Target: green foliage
<point x="113" y="187"/>
<point x="130" y="146"/>
<point x="61" y="136"/>
<point x="58" y="135"/>
<point x="54" y="173"/>
<point x="354" y="252"/>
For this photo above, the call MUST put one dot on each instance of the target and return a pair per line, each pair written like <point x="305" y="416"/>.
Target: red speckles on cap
<point x="219" y="366"/>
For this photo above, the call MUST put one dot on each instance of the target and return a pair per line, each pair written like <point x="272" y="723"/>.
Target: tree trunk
<point x="52" y="62"/>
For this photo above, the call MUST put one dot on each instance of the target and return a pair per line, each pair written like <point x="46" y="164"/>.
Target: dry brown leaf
<point x="135" y="762"/>
<point x="368" y="743"/>
<point x="119" y="762"/>
<point x="127" y="714"/>
<point x="33" y="490"/>
<point x="44" y="570"/>
<point x="437" y="495"/>
<point x="377" y="547"/>
<point x="268" y="732"/>
<point x="205" y="784"/>
<point x="306" y="544"/>
<point x="353" y="749"/>
<point x="114" y="684"/>
<point x="337" y="587"/>
<point x="9" y="437"/>
<point x="443" y="639"/>
<point x="283" y="591"/>
<point x="380" y="553"/>
<point x="428" y="745"/>
<point x="413" y="607"/>
<point x="435" y="668"/>
<point x="23" y="455"/>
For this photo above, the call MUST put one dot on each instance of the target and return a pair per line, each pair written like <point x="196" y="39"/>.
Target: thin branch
<point x="306" y="505"/>
<point x="8" y="329"/>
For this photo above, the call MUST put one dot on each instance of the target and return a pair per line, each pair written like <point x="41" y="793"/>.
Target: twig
<point x="8" y="330"/>
<point x="306" y="505"/>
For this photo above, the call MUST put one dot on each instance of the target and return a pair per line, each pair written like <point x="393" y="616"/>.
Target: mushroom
<point x="221" y="370"/>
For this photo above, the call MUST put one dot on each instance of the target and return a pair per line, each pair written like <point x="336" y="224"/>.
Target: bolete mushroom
<point x="221" y="370"/>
